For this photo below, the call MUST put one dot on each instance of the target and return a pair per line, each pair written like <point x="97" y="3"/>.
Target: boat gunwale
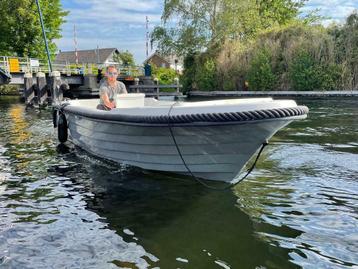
<point x="198" y="119"/>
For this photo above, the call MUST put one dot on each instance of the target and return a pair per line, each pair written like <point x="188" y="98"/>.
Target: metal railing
<point x="32" y="65"/>
<point x="154" y="90"/>
<point x="4" y="64"/>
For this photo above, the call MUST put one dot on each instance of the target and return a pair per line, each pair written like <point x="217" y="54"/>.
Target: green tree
<point x="195" y="25"/>
<point x="21" y="30"/>
<point x="125" y="57"/>
<point x="244" y="19"/>
<point x="196" y="28"/>
<point x="278" y="11"/>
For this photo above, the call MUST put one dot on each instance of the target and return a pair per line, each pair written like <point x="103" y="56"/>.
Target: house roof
<point x="86" y="56"/>
<point x="158" y="55"/>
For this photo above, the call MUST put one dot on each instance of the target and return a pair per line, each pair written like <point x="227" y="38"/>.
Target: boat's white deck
<point x="151" y="106"/>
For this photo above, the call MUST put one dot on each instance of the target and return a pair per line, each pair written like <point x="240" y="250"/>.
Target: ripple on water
<point x="49" y="224"/>
<point x="314" y="191"/>
<point x="44" y="220"/>
<point x="62" y="208"/>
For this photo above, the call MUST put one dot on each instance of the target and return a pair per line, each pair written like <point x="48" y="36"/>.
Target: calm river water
<point x="62" y="208"/>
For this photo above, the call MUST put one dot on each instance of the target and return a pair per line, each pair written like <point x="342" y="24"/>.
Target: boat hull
<point x="215" y="151"/>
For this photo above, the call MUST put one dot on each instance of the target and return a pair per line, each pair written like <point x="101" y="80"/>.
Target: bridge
<point x="13" y="70"/>
<point x="77" y="80"/>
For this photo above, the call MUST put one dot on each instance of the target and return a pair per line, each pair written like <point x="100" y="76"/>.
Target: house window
<point x="163" y="64"/>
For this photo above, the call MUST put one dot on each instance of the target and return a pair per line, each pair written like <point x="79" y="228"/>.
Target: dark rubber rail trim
<point x="244" y="116"/>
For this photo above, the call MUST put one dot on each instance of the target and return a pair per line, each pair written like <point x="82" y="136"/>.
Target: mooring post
<point x="176" y="82"/>
<point x="29" y="91"/>
<point x="41" y="89"/>
<point x="156" y="82"/>
<point x="68" y="69"/>
<point x="89" y="69"/>
<point x="55" y="87"/>
<point x="136" y="83"/>
<point x="90" y="81"/>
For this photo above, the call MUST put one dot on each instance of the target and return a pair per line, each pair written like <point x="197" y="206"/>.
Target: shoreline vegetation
<point x="267" y="46"/>
<point x="295" y="57"/>
<point x="9" y="90"/>
<point x="248" y="94"/>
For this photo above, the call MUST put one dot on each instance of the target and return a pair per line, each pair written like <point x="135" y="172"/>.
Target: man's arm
<point x="106" y="100"/>
<point x="103" y="92"/>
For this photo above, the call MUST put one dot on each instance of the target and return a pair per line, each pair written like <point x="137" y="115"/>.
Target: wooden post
<point x="55" y="86"/>
<point x="89" y="69"/>
<point x="68" y="69"/>
<point x="29" y="92"/>
<point x="90" y="81"/>
<point x="136" y="83"/>
<point x="41" y="89"/>
<point x="176" y="82"/>
<point x="156" y="82"/>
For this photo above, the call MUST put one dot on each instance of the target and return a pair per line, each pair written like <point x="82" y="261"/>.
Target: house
<point x="158" y="60"/>
<point x="171" y="61"/>
<point x="105" y="56"/>
<point x="176" y="63"/>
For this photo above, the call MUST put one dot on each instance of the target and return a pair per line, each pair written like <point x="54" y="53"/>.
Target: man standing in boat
<point x="109" y="88"/>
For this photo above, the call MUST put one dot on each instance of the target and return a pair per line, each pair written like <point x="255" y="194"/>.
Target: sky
<point x="121" y="23"/>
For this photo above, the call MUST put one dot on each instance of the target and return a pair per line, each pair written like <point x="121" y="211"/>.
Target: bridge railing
<point x="21" y="64"/>
<point x="4" y="64"/>
<point x="31" y="65"/>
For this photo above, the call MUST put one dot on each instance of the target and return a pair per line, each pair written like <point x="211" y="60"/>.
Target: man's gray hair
<point x="112" y="66"/>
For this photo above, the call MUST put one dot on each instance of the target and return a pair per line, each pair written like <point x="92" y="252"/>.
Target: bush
<point x="9" y="90"/>
<point x="205" y="76"/>
<point x="165" y="75"/>
<point x="346" y="50"/>
<point x="306" y="74"/>
<point x="260" y="75"/>
<point x="331" y="77"/>
<point x="188" y="76"/>
<point x="303" y="73"/>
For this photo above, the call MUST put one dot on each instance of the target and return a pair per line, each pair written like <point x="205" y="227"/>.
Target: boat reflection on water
<point x="176" y="220"/>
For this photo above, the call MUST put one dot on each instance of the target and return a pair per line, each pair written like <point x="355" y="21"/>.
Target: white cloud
<point x="334" y="10"/>
<point x="110" y="23"/>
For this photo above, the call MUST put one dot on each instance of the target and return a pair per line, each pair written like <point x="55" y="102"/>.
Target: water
<point x="62" y="208"/>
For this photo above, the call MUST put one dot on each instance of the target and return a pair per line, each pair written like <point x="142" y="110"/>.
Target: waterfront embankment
<point x="273" y="93"/>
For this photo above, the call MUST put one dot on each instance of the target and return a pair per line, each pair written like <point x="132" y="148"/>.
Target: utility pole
<point x="98" y="62"/>
<point x="44" y="35"/>
<point x="75" y="42"/>
<point x="147" y="36"/>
